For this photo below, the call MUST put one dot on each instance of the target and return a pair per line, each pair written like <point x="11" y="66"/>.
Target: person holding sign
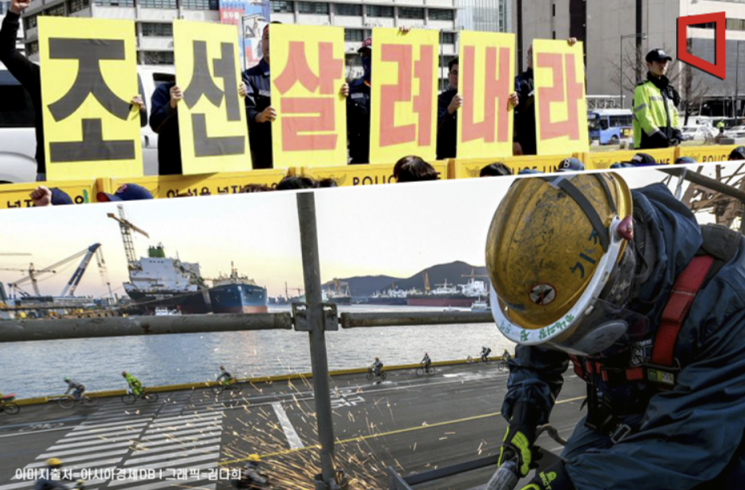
<point x="525" y="132"/>
<point x="29" y="76"/>
<point x="448" y="103"/>
<point x="656" y="121"/>
<point x="358" y="108"/>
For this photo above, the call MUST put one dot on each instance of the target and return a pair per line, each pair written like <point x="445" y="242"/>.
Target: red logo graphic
<point x="719" y="70"/>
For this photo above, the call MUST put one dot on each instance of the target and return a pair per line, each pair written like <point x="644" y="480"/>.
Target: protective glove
<point x="520" y="437"/>
<point x="677" y="137"/>
<point x="555" y="477"/>
<point x="659" y="140"/>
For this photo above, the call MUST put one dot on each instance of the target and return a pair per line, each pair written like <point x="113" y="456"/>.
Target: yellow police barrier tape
<point x="604" y="159"/>
<point x="351" y="175"/>
<point x="706" y="154"/>
<point x="166" y="186"/>
<point x="18" y="195"/>
<point x="263" y="379"/>
<point x="465" y="169"/>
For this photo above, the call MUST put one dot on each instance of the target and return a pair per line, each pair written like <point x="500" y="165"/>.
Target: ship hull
<point x="440" y="300"/>
<point x="238" y="298"/>
<point x="188" y="303"/>
<point x="386" y="301"/>
<point x="341" y="300"/>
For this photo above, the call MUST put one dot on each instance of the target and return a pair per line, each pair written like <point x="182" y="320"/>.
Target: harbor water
<point x="31" y="369"/>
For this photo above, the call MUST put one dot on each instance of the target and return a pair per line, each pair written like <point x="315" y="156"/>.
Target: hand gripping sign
<point x="212" y="115"/>
<point x="404" y="95"/>
<point x="486" y="74"/>
<point x="307" y="75"/>
<point x="88" y="80"/>
<point x="561" y="107"/>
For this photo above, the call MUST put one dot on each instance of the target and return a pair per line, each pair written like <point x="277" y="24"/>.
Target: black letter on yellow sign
<point x="89" y="53"/>
<point x="202" y="84"/>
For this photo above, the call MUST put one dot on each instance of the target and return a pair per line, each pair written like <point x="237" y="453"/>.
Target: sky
<point x="395" y="230"/>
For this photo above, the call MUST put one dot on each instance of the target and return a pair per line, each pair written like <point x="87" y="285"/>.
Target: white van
<point x="18" y="139"/>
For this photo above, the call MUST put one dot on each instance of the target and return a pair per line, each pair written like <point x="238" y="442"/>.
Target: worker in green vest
<point x="656" y="121"/>
<point x="720" y="127"/>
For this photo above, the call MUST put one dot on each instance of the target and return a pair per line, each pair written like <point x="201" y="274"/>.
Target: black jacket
<point x="258" y="98"/>
<point x="28" y="75"/>
<point x="164" y="121"/>
<point x="447" y="127"/>
<point x="358" y="121"/>
<point x="525" y="113"/>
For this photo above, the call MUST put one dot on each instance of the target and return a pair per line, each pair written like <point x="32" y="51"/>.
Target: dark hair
<point x="497" y="169"/>
<point x="296" y="182"/>
<point x="255" y="188"/>
<point x="328" y="182"/>
<point x="413" y="169"/>
<point x="452" y="62"/>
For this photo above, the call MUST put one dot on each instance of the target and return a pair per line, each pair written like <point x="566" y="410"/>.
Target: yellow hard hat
<point x="54" y="462"/>
<point x="254" y="458"/>
<point x="553" y="245"/>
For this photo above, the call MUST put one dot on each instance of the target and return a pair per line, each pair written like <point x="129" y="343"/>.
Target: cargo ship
<point x="157" y="281"/>
<point x="338" y="292"/>
<point x="237" y="294"/>
<point x="391" y="296"/>
<point x="450" y="295"/>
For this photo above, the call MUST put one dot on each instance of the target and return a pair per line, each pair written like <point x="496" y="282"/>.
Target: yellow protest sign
<point x="19" y="195"/>
<point x="307" y="75"/>
<point x="599" y="160"/>
<point x="354" y="175"/>
<point x="212" y="115"/>
<point x="561" y="107"/>
<point x="707" y="154"/>
<point x="89" y="78"/>
<point x="404" y="95"/>
<point x="486" y="78"/>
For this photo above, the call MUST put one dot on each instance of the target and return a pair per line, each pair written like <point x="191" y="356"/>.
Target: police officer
<point x="259" y="107"/>
<point x="656" y="121"/>
<point x="448" y="103"/>
<point x="648" y="306"/>
<point x="525" y="133"/>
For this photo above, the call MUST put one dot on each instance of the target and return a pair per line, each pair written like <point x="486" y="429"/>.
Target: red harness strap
<point x="681" y="298"/>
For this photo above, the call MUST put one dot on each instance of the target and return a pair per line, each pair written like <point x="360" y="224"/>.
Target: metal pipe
<point x="80" y="328"/>
<point x="319" y="363"/>
<point x="358" y="320"/>
<point x="707" y="182"/>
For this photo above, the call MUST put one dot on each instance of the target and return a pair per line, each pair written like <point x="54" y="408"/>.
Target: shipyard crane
<point x="473" y="275"/>
<point x="33" y="273"/>
<point x="14" y="253"/>
<point x="726" y="209"/>
<point x="126" y="229"/>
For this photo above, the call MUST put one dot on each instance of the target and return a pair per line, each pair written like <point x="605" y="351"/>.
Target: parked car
<point x="698" y="133"/>
<point x="18" y="139"/>
<point x="735" y="132"/>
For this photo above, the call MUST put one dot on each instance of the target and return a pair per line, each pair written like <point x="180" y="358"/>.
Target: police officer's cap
<point x="658" y="55"/>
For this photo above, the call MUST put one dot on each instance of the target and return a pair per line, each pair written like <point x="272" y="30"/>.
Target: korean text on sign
<point x="561" y="108"/>
<point x="404" y="95"/>
<point x="307" y="75"/>
<point x="486" y="80"/>
<point x="212" y="115"/>
<point x="88" y="82"/>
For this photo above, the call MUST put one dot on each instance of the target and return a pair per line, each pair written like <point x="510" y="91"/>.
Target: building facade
<point x="618" y="34"/>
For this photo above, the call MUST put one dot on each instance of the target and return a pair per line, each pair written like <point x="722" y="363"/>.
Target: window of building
<point x="315" y="8"/>
<point x="157" y="30"/>
<point x="448" y="38"/>
<point x="157" y="57"/>
<point x="348" y="9"/>
<point x="116" y="3"/>
<point x="200" y="4"/>
<point x="354" y="35"/>
<point x="158" y="4"/>
<point x="57" y="11"/>
<point x="3" y="8"/>
<point x="379" y="11"/>
<point x="553" y="10"/>
<point x="438" y="14"/>
<point x="735" y="25"/>
<point x="282" y="6"/>
<point x="78" y="5"/>
<point x="29" y="22"/>
<point x="411" y="13"/>
<point x="33" y="47"/>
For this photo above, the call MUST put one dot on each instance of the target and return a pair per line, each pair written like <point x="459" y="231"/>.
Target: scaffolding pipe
<point x="358" y="320"/>
<point x="707" y="182"/>
<point x="82" y="328"/>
